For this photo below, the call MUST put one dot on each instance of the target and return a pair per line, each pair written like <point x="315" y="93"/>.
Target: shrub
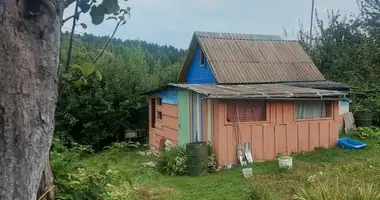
<point x="212" y="163"/>
<point x="364" y="132"/>
<point x="173" y="161"/>
<point x="64" y="159"/>
<point x="74" y="182"/>
<point x="84" y="184"/>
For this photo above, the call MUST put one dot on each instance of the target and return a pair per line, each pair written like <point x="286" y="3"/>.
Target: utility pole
<point x="311" y="25"/>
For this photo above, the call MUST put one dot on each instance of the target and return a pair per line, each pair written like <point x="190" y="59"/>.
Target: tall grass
<point x="331" y="189"/>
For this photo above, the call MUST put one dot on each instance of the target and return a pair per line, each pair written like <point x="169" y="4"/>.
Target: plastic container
<point x="285" y="162"/>
<point x="363" y="118"/>
<point x="348" y="143"/>
<point x="197" y="158"/>
<point x="247" y="172"/>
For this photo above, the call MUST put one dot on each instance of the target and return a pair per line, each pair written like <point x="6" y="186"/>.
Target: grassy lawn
<point x="345" y="167"/>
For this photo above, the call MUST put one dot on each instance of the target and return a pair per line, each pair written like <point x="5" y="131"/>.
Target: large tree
<point x="29" y="71"/>
<point x="29" y="48"/>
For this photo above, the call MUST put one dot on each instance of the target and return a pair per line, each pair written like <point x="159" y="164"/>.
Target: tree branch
<point x="109" y="40"/>
<point x="68" y="18"/>
<point x="77" y="14"/>
<point x="68" y="61"/>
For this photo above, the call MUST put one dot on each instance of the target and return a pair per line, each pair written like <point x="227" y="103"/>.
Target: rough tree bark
<point x="29" y="49"/>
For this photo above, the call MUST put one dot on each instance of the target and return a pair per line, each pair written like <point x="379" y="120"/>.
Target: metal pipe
<point x="311" y="26"/>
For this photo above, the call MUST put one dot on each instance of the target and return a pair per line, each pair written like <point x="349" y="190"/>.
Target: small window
<point x="159" y="101"/>
<point x="202" y="58"/>
<point x="159" y="115"/>
<point x="310" y="109"/>
<point x="248" y="110"/>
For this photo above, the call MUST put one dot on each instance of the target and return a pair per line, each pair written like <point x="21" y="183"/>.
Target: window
<point x="202" y="58"/>
<point x="159" y="115"/>
<point x="310" y="109"/>
<point x="249" y="110"/>
<point x="153" y="112"/>
<point x="159" y="101"/>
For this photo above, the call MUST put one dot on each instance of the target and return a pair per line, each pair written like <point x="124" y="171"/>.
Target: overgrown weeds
<point x="258" y="192"/>
<point x="331" y="189"/>
<point x="77" y="182"/>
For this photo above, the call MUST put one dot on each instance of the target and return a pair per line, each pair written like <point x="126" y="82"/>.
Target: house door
<point x="183" y="117"/>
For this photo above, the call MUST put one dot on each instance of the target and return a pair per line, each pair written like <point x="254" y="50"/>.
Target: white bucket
<point x="247" y="172"/>
<point x="285" y="162"/>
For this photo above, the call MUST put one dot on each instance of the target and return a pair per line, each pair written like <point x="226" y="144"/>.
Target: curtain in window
<point x="249" y="110"/>
<point x="311" y="109"/>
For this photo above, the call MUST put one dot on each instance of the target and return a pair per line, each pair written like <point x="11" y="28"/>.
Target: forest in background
<point x="99" y="112"/>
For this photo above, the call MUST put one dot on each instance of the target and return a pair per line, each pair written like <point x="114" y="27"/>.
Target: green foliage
<point x="367" y="132"/>
<point x="77" y="182"/>
<point x="65" y="156"/>
<point x="99" y="10"/>
<point x="212" y="163"/>
<point x="86" y="185"/>
<point x="99" y="112"/>
<point x="116" y="149"/>
<point x="346" y="49"/>
<point x="173" y="161"/>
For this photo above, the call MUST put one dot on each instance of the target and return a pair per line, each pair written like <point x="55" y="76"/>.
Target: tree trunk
<point x="29" y="49"/>
<point x="46" y="183"/>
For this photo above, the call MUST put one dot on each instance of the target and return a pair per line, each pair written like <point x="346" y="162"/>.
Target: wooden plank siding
<point x="183" y="117"/>
<point x="165" y="128"/>
<point x="281" y="134"/>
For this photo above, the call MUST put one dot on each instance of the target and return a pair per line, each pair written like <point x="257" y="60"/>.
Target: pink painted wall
<point x="281" y="133"/>
<point x="166" y="128"/>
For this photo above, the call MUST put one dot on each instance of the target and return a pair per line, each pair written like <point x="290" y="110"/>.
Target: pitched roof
<point x="248" y="58"/>
<point x="260" y="91"/>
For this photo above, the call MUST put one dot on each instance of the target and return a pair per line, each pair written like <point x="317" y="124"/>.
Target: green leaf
<point x="111" y="18"/>
<point x="110" y="6"/>
<point x="99" y="75"/>
<point x="76" y="67"/>
<point x="87" y="69"/>
<point x="84" y="81"/>
<point x="78" y="54"/>
<point x="97" y="14"/>
<point x="78" y="83"/>
<point x="84" y="7"/>
<point x="84" y="26"/>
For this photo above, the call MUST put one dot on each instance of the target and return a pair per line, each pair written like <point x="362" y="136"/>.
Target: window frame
<point x="159" y="101"/>
<point x="202" y="59"/>
<point x="267" y="114"/>
<point x="330" y="111"/>
<point x="158" y="114"/>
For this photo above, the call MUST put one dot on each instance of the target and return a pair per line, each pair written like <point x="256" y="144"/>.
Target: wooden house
<point x="268" y="86"/>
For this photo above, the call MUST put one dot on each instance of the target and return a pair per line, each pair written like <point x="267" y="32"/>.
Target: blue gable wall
<point x="169" y="96"/>
<point x="198" y="74"/>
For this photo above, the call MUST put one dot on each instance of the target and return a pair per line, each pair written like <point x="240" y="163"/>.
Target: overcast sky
<point x="173" y="22"/>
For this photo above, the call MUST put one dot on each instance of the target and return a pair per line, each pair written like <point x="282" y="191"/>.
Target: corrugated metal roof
<point x="321" y="85"/>
<point x="248" y="58"/>
<point x="259" y="91"/>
